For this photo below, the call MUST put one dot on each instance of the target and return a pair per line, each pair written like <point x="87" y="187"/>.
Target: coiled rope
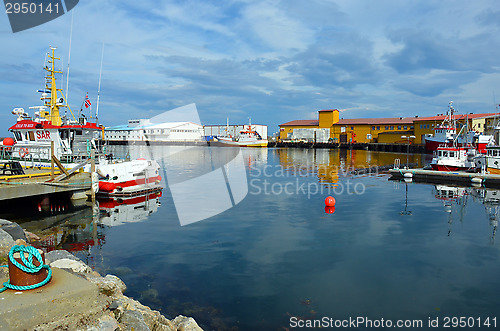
<point x="28" y="267"/>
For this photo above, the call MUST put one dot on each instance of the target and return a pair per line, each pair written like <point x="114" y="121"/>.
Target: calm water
<point x="390" y="250"/>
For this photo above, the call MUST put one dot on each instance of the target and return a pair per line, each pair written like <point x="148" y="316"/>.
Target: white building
<point x="142" y="130"/>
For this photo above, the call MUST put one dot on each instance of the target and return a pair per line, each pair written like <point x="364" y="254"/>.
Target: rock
<point x="75" y="266"/>
<point x="31" y="236"/>
<point x="21" y="242"/>
<point x="183" y="323"/>
<point x="110" y="285"/>
<point x="58" y="255"/>
<point x="6" y="240"/>
<point x="15" y="231"/>
<point x="133" y="320"/>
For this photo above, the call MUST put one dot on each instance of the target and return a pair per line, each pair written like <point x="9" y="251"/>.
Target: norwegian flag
<point x="87" y="101"/>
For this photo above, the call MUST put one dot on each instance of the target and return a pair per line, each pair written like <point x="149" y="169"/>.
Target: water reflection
<point x="118" y="211"/>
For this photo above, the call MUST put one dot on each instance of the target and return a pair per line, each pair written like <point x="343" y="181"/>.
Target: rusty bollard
<point x="27" y="269"/>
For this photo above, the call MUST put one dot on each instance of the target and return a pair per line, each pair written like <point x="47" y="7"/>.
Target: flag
<point x="87" y="102"/>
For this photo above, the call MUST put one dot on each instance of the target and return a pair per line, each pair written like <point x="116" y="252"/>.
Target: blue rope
<point x="28" y="267"/>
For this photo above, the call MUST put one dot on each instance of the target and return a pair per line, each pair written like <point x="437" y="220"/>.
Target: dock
<point x="39" y="183"/>
<point x="448" y="177"/>
<point x="380" y="147"/>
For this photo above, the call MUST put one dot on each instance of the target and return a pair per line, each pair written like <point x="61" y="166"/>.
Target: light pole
<point x="407" y="147"/>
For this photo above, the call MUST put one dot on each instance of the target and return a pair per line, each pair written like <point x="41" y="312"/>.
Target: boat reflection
<point x="455" y="199"/>
<point x="83" y="226"/>
<point x="118" y="211"/>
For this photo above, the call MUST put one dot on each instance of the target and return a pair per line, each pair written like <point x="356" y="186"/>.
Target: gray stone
<point x="110" y="285"/>
<point x="133" y="320"/>
<point x="58" y="255"/>
<point x="73" y="265"/>
<point x="183" y="323"/>
<point x="13" y="229"/>
<point x="6" y="239"/>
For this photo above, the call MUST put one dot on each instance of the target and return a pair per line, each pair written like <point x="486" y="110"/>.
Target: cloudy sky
<point x="271" y="61"/>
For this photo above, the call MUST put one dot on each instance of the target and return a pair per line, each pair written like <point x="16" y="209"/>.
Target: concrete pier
<point x="66" y="296"/>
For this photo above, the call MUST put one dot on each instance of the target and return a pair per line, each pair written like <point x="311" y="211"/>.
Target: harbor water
<point x="274" y="258"/>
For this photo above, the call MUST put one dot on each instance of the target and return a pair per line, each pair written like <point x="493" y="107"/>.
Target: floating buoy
<point x="330" y="201"/>
<point x="329" y="210"/>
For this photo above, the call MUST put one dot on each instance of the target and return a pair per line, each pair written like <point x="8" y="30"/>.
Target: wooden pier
<point x="446" y="177"/>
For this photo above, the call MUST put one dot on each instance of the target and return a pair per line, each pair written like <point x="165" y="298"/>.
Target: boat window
<point x="495" y="153"/>
<point x="78" y="132"/>
<point x="445" y="153"/>
<point x="31" y="135"/>
<point x="489" y="153"/>
<point x="452" y="154"/>
<point x="18" y="135"/>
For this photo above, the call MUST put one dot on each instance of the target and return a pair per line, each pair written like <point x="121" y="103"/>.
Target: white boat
<point x="129" y="178"/>
<point x="248" y="137"/>
<point x="47" y="137"/>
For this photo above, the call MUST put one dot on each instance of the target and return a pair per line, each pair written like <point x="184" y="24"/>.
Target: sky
<point x="266" y="60"/>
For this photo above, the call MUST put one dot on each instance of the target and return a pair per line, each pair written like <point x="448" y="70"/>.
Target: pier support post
<point x="52" y="159"/>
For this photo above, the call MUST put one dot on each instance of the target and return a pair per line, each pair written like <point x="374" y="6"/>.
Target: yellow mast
<point x="50" y="84"/>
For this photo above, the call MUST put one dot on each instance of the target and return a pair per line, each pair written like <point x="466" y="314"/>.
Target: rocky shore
<point x="118" y="312"/>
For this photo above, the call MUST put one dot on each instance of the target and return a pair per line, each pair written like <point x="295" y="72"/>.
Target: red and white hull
<point x="129" y="177"/>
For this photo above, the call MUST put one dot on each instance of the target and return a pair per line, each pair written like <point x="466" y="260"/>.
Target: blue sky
<point x="271" y="61"/>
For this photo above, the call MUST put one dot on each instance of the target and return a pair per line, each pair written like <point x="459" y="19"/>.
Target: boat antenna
<point x="69" y="58"/>
<point x="99" y="87"/>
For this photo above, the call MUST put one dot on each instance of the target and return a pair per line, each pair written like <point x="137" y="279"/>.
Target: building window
<point x="387" y="127"/>
<point x="421" y="126"/>
<point x="352" y="127"/>
<point x="373" y="128"/>
<point x="411" y="127"/>
<point x="479" y="125"/>
<point x="405" y="127"/>
<point x="378" y="127"/>
<point x="392" y="127"/>
<point x="399" y="127"/>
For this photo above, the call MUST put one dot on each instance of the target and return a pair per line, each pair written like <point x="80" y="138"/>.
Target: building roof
<point x="328" y="110"/>
<point x="376" y="121"/>
<point x="301" y="123"/>
<point x="441" y="117"/>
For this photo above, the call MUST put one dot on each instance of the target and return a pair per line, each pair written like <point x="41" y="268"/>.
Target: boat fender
<point x="408" y="175"/>
<point x="477" y="180"/>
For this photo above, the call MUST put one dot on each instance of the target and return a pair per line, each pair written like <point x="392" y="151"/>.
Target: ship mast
<point x="50" y="85"/>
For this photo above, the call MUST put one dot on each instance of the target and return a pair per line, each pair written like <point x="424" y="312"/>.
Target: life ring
<point x="23" y="152"/>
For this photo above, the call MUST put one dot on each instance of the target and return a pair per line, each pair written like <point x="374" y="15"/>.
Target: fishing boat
<point x="445" y="134"/>
<point x="248" y="137"/>
<point x="455" y="158"/>
<point x="48" y="137"/>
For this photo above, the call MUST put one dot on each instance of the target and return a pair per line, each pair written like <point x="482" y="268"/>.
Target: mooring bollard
<point x="27" y="269"/>
<point x="20" y="277"/>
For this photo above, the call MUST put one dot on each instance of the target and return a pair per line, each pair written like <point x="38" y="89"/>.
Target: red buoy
<point x="8" y="142"/>
<point x="330" y="201"/>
